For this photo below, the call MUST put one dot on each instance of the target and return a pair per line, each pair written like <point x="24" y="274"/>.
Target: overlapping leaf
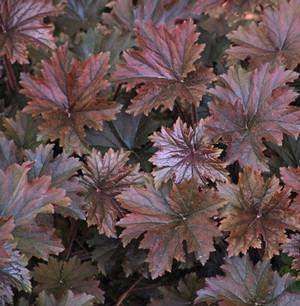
<point x="257" y="214"/>
<point x="22" y="24"/>
<point x="67" y="97"/>
<point x="80" y="15"/>
<point x="275" y="39"/>
<point x="23" y="199"/>
<point x="292" y="248"/>
<point x="249" y="107"/>
<point x="106" y="176"/>
<point x="125" y="14"/>
<point x="185" y="153"/>
<point x="57" y="277"/>
<point x="291" y="177"/>
<point x="168" y="220"/>
<point x="62" y="170"/>
<point x="8" y="154"/>
<point x="183" y="295"/>
<point x="69" y="299"/>
<point x="245" y="284"/>
<point x="165" y="63"/>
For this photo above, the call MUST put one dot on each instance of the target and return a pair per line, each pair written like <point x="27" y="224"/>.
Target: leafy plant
<point x="149" y="152"/>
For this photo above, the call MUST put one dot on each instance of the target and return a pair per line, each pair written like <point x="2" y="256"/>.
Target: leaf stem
<point x="124" y="295"/>
<point x="194" y="115"/>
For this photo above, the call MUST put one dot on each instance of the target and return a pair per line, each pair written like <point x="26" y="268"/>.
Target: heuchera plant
<point x="149" y="152"/>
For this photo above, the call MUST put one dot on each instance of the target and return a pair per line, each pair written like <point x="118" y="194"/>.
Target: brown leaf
<point x="23" y="199"/>
<point x="21" y="23"/>
<point x="257" y="214"/>
<point x="245" y="284"/>
<point x="67" y="97"/>
<point x="275" y="39"/>
<point x="249" y="107"/>
<point x="6" y="228"/>
<point x="104" y="177"/>
<point x="185" y="153"/>
<point x="164" y="63"/>
<point x="168" y="220"/>
<point x="291" y="177"/>
<point x="57" y="277"/>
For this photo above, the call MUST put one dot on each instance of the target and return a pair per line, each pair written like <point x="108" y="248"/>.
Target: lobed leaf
<point x="22" y="24"/>
<point x="67" y="97"/>
<point x="164" y="62"/>
<point x="250" y="107"/>
<point x="185" y="153"/>
<point x="258" y="213"/>
<point x="275" y="39"/>
<point x="245" y="284"/>
<point x="168" y="220"/>
<point x="104" y="177"/>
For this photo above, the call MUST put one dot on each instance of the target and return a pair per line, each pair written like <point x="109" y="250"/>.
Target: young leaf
<point x="165" y="63"/>
<point x="168" y="220"/>
<point x="185" y="153"/>
<point x="67" y="97"/>
<point x="250" y="107"/>
<point x="21" y="23"/>
<point x="257" y="214"/>
<point x="68" y="299"/>
<point x="104" y="178"/>
<point x="275" y="39"/>
<point x="57" y="277"/>
<point x="245" y="284"/>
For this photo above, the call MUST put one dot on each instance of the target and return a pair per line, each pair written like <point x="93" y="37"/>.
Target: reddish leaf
<point x="21" y="23"/>
<point x="292" y="248"/>
<point x="6" y="228"/>
<point x="23" y="199"/>
<point x="38" y="241"/>
<point x="8" y="152"/>
<point x="164" y="63"/>
<point x="104" y="178"/>
<point x="291" y="177"/>
<point x="257" y="214"/>
<point x="57" y="277"/>
<point x="169" y="220"/>
<point x="275" y="39"/>
<point x="185" y="153"/>
<point x="249" y="107"/>
<point x="62" y="169"/>
<point x="125" y="14"/>
<point x="66" y="96"/>
<point x="245" y="284"/>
